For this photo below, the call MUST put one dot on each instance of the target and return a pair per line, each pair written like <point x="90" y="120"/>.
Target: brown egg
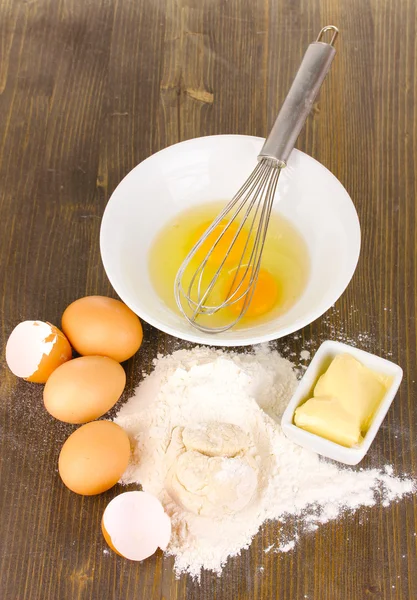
<point x="35" y="349"/>
<point x="94" y="457"/>
<point x="84" y="389"/>
<point x="96" y="325"/>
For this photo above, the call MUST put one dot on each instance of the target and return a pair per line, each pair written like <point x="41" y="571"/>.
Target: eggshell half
<point x="134" y="525"/>
<point x="96" y="325"/>
<point x="35" y="349"/>
<point x="94" y="457"/>
<point x="84" y="389"/>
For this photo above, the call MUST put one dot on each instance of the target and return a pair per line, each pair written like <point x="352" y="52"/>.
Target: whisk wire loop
<point x="250" y="209"/>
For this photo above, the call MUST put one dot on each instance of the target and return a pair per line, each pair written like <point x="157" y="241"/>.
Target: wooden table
<point x="89" y="88"/>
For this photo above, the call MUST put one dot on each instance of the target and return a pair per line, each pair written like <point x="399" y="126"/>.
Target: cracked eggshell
<point x="35" y="349"/>
<point x="135" y="524"/>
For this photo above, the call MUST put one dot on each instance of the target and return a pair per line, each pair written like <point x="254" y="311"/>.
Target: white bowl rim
<point x="195" y="336"/>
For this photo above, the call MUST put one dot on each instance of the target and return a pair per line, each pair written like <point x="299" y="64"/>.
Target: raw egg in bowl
<point x="162" y="206"/>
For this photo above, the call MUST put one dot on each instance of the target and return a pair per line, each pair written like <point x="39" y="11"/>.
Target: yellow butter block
<point x="358" y="389"/>
<point x="327" y="418"/>
<point x="344" y="402"/>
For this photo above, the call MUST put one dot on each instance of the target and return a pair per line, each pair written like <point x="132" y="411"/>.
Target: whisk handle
<point x="299" y="101"/>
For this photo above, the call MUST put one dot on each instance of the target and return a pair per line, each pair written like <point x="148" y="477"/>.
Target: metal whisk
<point x="247" y="215"/>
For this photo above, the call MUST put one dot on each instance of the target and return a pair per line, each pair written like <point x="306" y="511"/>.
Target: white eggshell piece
<point x="27" y="344"/>
<point x="137" y="525"/>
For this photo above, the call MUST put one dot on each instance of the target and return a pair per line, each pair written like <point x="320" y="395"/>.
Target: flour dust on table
<point x="207" y="442"/>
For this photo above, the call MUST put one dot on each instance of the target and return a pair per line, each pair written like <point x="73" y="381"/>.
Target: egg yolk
<point x="222" y="248"/>
<point x="264" y="297"/>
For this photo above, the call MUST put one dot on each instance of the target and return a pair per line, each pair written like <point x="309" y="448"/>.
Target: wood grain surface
<point x="89" y="88"/>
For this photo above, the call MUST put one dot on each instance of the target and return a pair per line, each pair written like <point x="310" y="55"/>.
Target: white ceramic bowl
<point x="321" y="361"/>
<point x="213" y="168"/>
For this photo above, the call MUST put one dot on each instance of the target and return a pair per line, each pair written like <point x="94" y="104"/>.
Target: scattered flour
<point x="191" y="389"/>
<point x="287" y="546"/>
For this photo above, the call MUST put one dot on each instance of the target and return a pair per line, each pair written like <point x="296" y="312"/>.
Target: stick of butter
<point x="325" y="417"/>
<point x="344" y="401"/>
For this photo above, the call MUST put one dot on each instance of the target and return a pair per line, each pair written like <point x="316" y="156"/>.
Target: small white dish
<point x="213" y="169"/>
<point x="320" y="363"/>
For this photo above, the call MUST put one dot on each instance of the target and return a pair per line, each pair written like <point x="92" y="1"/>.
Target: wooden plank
<point x="89" y="89"/>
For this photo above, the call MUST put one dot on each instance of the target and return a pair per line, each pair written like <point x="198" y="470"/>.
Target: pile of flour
<point x="207" y="442"/>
